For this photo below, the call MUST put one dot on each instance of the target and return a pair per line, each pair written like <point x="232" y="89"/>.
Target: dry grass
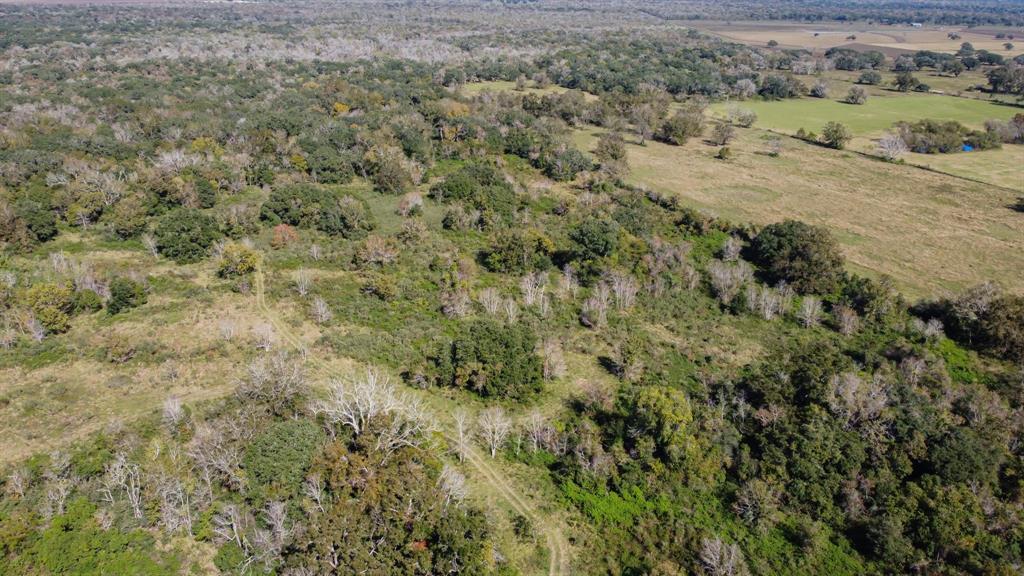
<point x="889" y="39"/>
<point x="932" y="233"/>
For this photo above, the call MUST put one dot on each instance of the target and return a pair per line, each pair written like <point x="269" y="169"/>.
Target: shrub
<point x="835" y="135"/>
<point x="277" y="459"/>
<point x="125" y="294"/>
<point x="518" y="252"/>
<point x="52" y="305"/>
<point x="86" y="301"/>
<point x="684" y="125"/>
<point x="479" y="185"/>
<point x="870" y="77"/>
<point x="184" y="235"/>
<point x="805" y="256"/>
<point x="237" y="260"/>
<point x="856" y="95"/>
<point x="595" y="238"/>
<point x="492" y="359"/>
<point x="1001" y="328"/>
<point x="724" y="153"/>
<point x="722" y="134"/>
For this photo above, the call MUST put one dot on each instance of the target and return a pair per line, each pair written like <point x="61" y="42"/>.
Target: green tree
<point x="835" y="135"/>
<point x="125" y="294"/>
<point x="184" y="235"/>
<point x="493" y="360"/>
<point x="807" y="257"/>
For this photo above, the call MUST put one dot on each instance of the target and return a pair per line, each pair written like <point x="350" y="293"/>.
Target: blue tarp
<point x="968" y="148"/>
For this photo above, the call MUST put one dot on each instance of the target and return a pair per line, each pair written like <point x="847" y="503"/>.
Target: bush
<point x="308" y="206"/>
<point x="856" y="95"/>
<point x="518" y="252"/>
<point x="52" y="305"/>
<point x="722" y="134"/>
<point x="237" y="260"/>
<point x="1001" y="328"/>
<point x="805" y="256"/>
<point x="185" y="235"/>
<point x="479" y="185"/>
<point x="870" y="77"/>
<point x="724" y="153"/>
<point x="278" y="458"/>
<point x="86" y="301"/>
<point x="493" y="360"/>
<point x="684" y="125"/>
<point x="125" y="294"/>
<point x="835" y="135"/>
<point x="595" y="238"/>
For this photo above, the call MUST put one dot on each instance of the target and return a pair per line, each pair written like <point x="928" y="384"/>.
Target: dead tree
<point x="495" y="426"/>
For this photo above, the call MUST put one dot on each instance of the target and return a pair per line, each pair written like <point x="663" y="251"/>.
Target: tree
<point x="856" y="95"/>
<point x="611" y="153"/>
<point x="820" y="89"/>
<point x="185" y="235"/>
<point x="804" y="256"/>
<point x="722" y="134"/>
<point x="51" y="304"/>
<point x="125" y="294"/>
<point x="905" y="82"/>
<point x="872" y="77"/>
<point x="494" y="427"/>
<point x="891" y="146"/>
<point x="835" y="135"/>
<point x="493" y="360"/>
<point x="236" y="260"/>
<point x="682" y="126"/>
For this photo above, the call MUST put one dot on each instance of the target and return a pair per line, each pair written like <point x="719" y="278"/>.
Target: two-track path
<point x="484" y="470"/>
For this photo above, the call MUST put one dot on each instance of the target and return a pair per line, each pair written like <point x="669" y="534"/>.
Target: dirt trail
<point x="484" y="470"/>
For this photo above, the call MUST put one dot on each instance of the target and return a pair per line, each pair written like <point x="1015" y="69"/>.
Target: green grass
<point x="872" y="118"/>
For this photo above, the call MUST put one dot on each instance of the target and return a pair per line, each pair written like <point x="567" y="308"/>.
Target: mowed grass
<point x="883" y="109"/>
<point x="931" y="232"/>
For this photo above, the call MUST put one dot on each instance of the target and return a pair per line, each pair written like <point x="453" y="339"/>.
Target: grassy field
<point x="885" y="216"/>
<point x="890" y="39"/>
<point x="869" y="121"/>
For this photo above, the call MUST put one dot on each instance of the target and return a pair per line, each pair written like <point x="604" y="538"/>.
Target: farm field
<point x="883" y="215"/>
<point x="888" y="39"/>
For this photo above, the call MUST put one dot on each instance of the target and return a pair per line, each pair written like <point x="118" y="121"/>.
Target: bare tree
<point x="533" y="286"/>
<point x="453" y="485"/>
<point x="227" y="329"/>
<point x="264" y="337"/>
<point x="150" y="243"/>
<point x="624" y="287"/>
<point x="568" y="284"/>
<point x="537" y="429"/>
<point x="721" y="559"/>
<point x="175" y="505"/>
<point x="455" y="303"/>
<point x="315" y="252"/>
<point x="18" y="482"/>
<point x="313" y="488"/>
<point x="553" y="358"/>
<point x="756" y="503"/>
<point x="810" y="312"/>
<point x="321" y="311"/>
<point x="495" y="427"/>
<point x="846" y="320"/>
<point x="511" y="310"/>
<point x="594" y="312"/>
<point x="126" y="477"/>
<point x="357" y="402"/>
<point x="891" y="146"/>
<point x="303" y="283"/>
<point x="216" y="458"/>
<point x="764" y="301"/>
<point x="731" y="249"/>
<point x="463" y="434"/>
<point x="173" y="412"/>
<point x="857" y="400"/>
<point x="727" y="280"/>
<point x="490" y="300"/>
<point x="278" y="380"/>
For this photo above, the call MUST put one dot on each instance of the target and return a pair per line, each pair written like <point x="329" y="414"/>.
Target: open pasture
<point x="885" y="215"/>
<point x="888" y="39"/>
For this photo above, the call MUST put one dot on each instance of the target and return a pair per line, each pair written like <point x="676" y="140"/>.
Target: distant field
<point x="888" y="39"/>
<point x="883" y="109"/>
<point x="885" y="216"/>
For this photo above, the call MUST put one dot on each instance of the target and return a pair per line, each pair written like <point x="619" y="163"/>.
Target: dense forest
<point x="443" y="284"/>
